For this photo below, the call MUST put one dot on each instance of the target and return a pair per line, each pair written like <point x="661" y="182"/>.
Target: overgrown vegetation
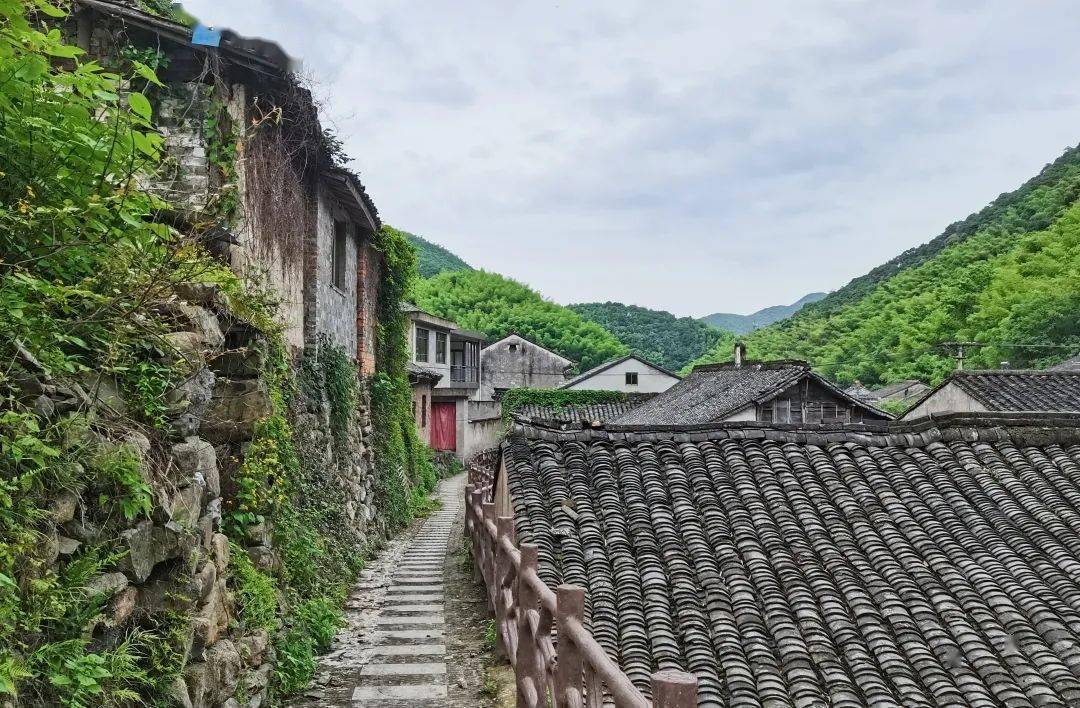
<point x="517" y="398"/>
<point x="1007" y="275"/>
<point x="405" y="472"/>
<point x="497" y="306"/>
<point x="658" y="337"/>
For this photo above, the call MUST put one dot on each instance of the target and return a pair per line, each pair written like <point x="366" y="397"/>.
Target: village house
<point x="890" y="564"/>
<point x="901" y="393"/>
<point x="1003" y="391"/>
<point x="516" y="362"/>
<point x="630" y="374"/>
<point x="422" y="381"/>
<point x="249" y="171"/>
<point x="439" y="346"/>
<point x="765" y="391"/>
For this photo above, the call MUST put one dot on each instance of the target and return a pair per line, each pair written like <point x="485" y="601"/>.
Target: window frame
<point x="631" y="378"/>
<point x="442" y="346"/>
<point x="427" y="345"/>
<point x="339" y="255"/>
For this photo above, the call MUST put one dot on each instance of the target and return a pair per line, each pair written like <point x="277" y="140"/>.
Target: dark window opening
<point x="423" y="413"/>
<point x="440" y="347"/>
<point x="421" y="344"/>
<point x="513" y="347"/>
<point x="338" y="256"/>
<point x="631" y="378"/>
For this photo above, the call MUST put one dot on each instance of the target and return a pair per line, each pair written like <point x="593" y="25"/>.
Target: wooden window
<point x="421" y="344"/>
<point x="813" y="412"/>
<point x="782" y="411"/>
<point x="440" y="347"/>
<point x="339" y="257"/>
<point x="765" y="413"/>
<point x="631" y="378"/>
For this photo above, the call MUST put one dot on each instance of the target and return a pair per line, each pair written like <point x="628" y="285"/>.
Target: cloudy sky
<point x="688" y="156"/>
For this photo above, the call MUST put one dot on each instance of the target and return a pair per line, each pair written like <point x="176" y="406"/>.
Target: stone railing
<point x="529" y="617"/>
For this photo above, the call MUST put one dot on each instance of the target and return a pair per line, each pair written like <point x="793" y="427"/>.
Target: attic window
<point x="631" y="378"/>
<point x="513" y="347"/>
<point x="337" y="256"/>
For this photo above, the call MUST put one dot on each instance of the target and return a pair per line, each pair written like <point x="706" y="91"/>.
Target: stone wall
<point x="177" y="560"/>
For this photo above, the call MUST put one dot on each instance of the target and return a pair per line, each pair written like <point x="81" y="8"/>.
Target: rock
<point x="104" y="393"/>
<point x="246" y="363"/>
<point x="203" y="294"/>
<point x="43" y="406"/>
<point x="256" y="682"/>
<point x="225" y="666"/>
<point x="189" y="401"/>
<point x="184" y="346"/>
<point x="193" y="319"/>
<point x="211" y="622"/>
<point x="178" y="694"/>
<point x="82" y="530"/>
<point x="184" y="506"/>
<point x="253" y="647"/>
<point x="175" y="592"/>
<point x="122" y="606"/>
<point x="107" y="584"/>
<point x="205" y="579"/>
<point x="235" y="409"/>
<point x="231" y="703"/>
<point x="138" y="443"/>
<point x="192" y="459"/>
<point x="67" y="546"/>
<point x="220" y="548"/>
<point x="62" y="507"/>
<point x="263" y="558"/>
<point x="258" y="534"/>
<point x="26" y="386"/>
<point x="147" y="545"/>
<point x="50" y="547"/>
<point x="28" y="359"/>
<point x="199" y="682"/>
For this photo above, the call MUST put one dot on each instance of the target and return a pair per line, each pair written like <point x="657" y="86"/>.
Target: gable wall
<point x="530" y="366"/>
<point x="650" y="380"/>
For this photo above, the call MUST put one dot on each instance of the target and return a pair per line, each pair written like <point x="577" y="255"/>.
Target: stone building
<point x="516" y="362"/>
<point x="248" y="169"/>
<point x="422" y="381"/>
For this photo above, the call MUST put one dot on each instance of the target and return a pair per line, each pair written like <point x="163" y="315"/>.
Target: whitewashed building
<point x="630" y="374"/>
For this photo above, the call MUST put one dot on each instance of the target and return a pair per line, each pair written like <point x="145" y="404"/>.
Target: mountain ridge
<point x="744" y="324"/>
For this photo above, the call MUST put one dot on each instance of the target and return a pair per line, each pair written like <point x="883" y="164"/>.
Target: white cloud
<point x="696" y="157"/>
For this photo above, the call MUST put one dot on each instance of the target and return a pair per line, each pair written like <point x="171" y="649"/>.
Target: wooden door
<point x="444" y="425"/>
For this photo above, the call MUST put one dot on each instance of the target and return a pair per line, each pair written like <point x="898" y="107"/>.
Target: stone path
<point x="393" y="652"/>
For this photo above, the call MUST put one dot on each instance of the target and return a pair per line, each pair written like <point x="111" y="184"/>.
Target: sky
<point x="690" y="156"/>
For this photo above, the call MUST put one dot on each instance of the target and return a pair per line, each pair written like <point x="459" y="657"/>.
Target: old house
<point x="422" y="381"/>
<point x="766" y="391"/>
<point x="516" y="362"/>
<point x="440" y="346"/>
<point x="1005" y="391"/>
<point x="630" y="374"/>
<point x="901" y="393"/>
<point x="249" y="171"/>
<point x="893" y="564"/>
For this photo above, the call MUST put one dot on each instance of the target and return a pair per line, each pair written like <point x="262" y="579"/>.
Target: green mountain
<point x="660" y="337"/>
<point x="434" y="259"/>
<point x="742" y="324"/>
<point x="1007" y="276"/>
<point x="497" y="306"/>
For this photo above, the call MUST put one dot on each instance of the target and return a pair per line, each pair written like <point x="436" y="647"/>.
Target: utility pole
<point x="960" y="354"/>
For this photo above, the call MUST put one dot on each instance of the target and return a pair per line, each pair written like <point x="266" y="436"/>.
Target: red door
<point x="444" y="426"/>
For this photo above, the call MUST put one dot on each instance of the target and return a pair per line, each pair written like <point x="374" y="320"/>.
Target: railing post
<point x="468" y="509"/>
<point x="568" y="667"/>
<point x="529" y="673"/>
<point x="489" y="555"/>
<point x="505" y="525"/>
<point x="674" y="689"/>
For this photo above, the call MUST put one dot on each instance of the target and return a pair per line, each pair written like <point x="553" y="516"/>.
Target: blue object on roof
<point x="206" y="36"/>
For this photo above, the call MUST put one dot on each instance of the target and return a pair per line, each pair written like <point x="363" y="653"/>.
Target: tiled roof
<point x="909" y="566"/>
<point x="1068" y="365"/>
<point x="1049" y="391"/>
<point x="581" y="412"/>
<point x="712" y="392"/>
<point x="899" y="387"/>
<point x="419" y="373"/>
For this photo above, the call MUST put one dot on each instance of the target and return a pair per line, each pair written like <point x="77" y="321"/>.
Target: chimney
<point x="740" y="354"/>
<point x="1005" y="366"/>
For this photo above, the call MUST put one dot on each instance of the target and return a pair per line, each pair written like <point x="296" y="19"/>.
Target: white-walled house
<point x="516" y="362"/>
<point x="630" y="374"/>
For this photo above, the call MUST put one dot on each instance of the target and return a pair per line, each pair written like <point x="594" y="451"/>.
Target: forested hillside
<point x="1008" y="275"/>
<point x="660" y="337"/>
<point x="434" y="259"/>
<point x="496" y="306"/>
<point x="743" y="324"/>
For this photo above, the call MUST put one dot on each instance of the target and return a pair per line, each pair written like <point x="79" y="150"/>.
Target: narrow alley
<point x="394" y="650"/>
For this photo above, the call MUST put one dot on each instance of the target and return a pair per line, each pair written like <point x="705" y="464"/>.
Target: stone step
<point x="419" y="597"/>
<point x="406" y="634"/>
<point x="407" y="692"/>
<point x="430" y="607"/>
<point x="432" y="619"/>
<point x="409" y="650"/>
<point x="406" y="669"/>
